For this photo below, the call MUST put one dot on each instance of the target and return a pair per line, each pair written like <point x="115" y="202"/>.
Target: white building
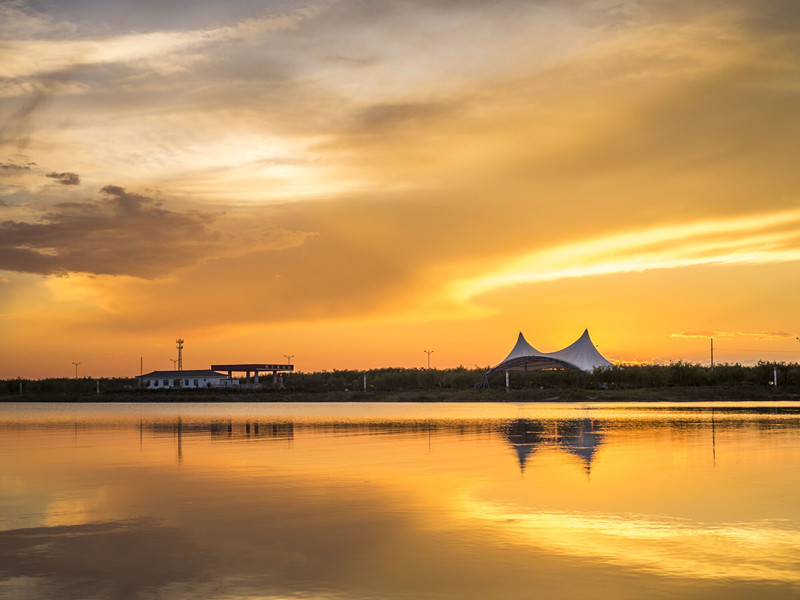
<point x="160" y="380"/>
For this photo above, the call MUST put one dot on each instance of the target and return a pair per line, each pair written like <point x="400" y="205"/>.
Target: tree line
<point x="677" y="374"/>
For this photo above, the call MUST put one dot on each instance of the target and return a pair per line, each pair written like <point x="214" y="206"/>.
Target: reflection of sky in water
<point x="679" y="547"/>
<point x="442" y="501"/>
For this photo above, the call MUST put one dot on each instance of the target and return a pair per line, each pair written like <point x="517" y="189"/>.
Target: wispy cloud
<point x="756" y="239"/>
<point x="158" y="51"/>
<point x="761" y="335"/>
<point x="13" y="316"/>
<point x="703" y="334"/>
<point x="13" y="167"/>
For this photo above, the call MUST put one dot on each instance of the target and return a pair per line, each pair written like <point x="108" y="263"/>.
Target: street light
<point x="289" y="358"/>
<point x="76" y="369"/>
<point x="174" y="364"/>
<point x="428" y="352"/>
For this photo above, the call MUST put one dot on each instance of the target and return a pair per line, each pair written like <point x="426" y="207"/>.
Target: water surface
<point x="399" y="501"/>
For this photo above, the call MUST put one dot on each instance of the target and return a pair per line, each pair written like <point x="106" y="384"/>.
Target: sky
<point x="352" y="183"/>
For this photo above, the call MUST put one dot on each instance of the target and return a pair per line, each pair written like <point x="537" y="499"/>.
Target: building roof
<point x="245" y="367"/>
<point x="581" y="354"/>
<point x="196" y="374"/>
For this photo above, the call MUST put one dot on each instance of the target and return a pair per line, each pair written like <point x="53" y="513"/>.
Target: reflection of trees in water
<point x="578" y="437"/>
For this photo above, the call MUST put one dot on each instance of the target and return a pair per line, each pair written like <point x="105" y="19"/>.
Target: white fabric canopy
<point x="581" y="354"/>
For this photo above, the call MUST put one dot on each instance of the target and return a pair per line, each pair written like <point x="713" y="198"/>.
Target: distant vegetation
<point x="679" y="374"/>
<point x="64" y="385"/>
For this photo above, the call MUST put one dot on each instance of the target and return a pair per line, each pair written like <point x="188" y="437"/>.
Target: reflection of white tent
<point x="581" y="355"/>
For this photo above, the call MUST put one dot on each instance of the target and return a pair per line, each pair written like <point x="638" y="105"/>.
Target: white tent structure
<point x="581" y="354"/>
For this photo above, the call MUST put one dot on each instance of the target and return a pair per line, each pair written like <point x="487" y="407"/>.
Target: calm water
<point x="399" y="501"/>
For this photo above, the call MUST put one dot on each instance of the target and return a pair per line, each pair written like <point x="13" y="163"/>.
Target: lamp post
<point x="174" y="364"/>
<point x="289" y="358"/>
<point x="428" y="352"/>
<point x="76" y="369"/>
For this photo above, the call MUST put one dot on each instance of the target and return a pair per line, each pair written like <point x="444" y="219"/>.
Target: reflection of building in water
<point x="223" y="429"/>
<point x="525" y="436"/>
<point x="579" y="437"/>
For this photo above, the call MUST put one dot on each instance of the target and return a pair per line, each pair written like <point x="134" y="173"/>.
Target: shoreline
<point x="663" y="394"/>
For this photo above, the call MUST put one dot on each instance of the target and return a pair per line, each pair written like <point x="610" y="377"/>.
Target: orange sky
<point x="355" y="182"/>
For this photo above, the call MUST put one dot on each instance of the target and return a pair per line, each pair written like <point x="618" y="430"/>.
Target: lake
<point x="363" y="501"/>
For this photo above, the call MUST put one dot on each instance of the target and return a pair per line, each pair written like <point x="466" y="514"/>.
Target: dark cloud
<point x="778" y="334"/>
<point x="12" y="167"/>
<point x="381" y="117"/>
<point x="65" y="178"/>
<point x="126" y="203"/>
<point x="123" y="233"/>
<point x="773" y="17"/>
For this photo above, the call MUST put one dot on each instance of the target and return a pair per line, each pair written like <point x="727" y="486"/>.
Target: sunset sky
<point x="355" y="182"/>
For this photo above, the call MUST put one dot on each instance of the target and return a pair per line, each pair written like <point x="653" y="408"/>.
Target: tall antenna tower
<point x="179" y="346"/>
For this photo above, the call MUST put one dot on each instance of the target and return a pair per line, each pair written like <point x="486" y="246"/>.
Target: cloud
<point x="379" y="118"/>
<point x="702" y="334"/>
<point x="12" y="316"/>
<point x="121" y="233"/>
<point x="761" y="335"/>
<point x="754" y="239"/>
<point x="776" y="334"/>
<point x="160" y="50"/>
<point x="65" y="178"/>
<point x="13" y="167"/>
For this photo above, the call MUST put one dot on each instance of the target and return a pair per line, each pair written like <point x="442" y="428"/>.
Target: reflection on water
<point x="401" y="501"/>
<point x="579" y="437"/>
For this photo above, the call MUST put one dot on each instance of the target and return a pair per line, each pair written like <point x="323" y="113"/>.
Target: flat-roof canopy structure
<point x="244" y="367"/>
<point x="581" y="354"/>
<point x="251" y="368"/>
